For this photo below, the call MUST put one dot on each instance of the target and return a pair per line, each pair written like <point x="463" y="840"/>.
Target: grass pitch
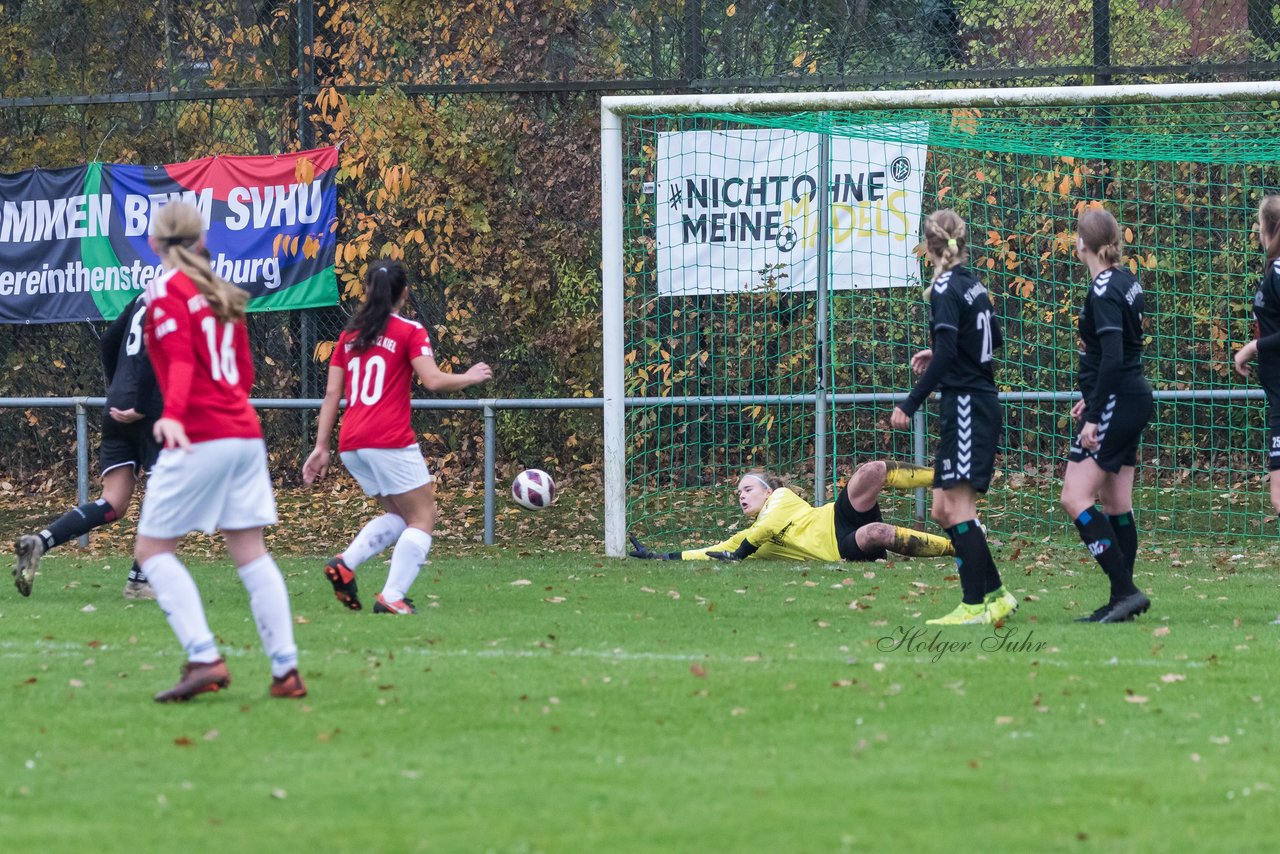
<point x="571" y="703"/>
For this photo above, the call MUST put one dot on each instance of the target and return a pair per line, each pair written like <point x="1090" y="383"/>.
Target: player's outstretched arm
<point x="317" y="464"/>
<point x="432" y="377"/>
<point x="640" y="550"/>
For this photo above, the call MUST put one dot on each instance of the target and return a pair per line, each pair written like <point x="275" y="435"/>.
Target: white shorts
<point x="387" y="471"/>
<point x="218" y="485"/>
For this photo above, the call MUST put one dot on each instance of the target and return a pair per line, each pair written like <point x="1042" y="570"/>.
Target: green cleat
<point x="965" y="615"/>
<point x="1000" y="603"/>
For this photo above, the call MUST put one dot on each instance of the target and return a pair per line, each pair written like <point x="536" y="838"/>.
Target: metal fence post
<point x="490" y="445"/>
<point x="823" y="324"/>
<point x="917" y="450"/>
<point x="82" y="459"/>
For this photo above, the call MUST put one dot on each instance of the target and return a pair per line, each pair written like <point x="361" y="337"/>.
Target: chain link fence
<point x="512" y="87"/>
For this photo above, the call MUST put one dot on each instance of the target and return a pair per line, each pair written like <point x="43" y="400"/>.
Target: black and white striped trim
<point x="964" y="435"/>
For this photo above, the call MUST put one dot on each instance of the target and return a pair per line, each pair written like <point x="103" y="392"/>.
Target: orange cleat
<point x="400" y="606"/>
<point x="343" y="579"/>
<point x="288" y="686"/>
<point x="197" y="678"/>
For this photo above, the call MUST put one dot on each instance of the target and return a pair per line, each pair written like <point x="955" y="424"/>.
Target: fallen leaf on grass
<point x="698" y="670"/>
<point x="182" y="741"/>
<point x="75" y="683"/>
<point x="211" y="735"/>
<point x="1137" y="699"/>
<point x="1002" y="720"/>
<point x="521" y="582"/>
<point x="1173" y="677"/>
<point x="1160" y="632"/>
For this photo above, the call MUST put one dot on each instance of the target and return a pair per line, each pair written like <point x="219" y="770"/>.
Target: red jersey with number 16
<point x="379" y="385"/>
<point x="202" y="364"/>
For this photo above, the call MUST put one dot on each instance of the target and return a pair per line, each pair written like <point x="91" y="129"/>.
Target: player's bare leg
<point x="418" y="509"/>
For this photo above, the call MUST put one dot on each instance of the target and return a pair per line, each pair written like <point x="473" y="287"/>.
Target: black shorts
<point x="1273" y="430"/>
<point x="848" y="521"/>
<point x="1119" y="432"/>
<point x="969" y="427"/>
<point x="127" y="444"/>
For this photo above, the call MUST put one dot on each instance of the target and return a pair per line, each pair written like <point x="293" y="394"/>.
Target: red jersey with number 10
<point x="379" y="385"/>
<point x="202" y="364"/>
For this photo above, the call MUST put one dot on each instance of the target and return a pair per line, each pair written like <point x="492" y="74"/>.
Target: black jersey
<point x="131" y="381"/>
<point x="960" y="307"/>
<point x="1114" y="304"/>
<point x="1266" y="313"/>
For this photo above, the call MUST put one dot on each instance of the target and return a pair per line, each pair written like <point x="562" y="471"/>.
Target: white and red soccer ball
<point x="533" y="489"/>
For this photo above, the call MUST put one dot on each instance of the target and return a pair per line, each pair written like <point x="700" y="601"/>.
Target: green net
<point x="728" y="355"/>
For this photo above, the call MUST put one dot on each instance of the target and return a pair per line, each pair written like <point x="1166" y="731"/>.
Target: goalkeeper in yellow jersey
<point x="789" y="528"/>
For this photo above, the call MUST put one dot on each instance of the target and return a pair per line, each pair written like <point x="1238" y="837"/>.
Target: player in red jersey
<point x="373" y="365"/>
<point x="212" y="472"/>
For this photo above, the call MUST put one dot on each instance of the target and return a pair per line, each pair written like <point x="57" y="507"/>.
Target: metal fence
<point x="130" y="81"/>
<point x="489" y="409"/>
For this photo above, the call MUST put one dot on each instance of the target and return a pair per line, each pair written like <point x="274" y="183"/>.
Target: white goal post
<point x="615" y="109"/>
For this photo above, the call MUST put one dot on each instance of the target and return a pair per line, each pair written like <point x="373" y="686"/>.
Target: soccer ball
<point x="533" y="489"/>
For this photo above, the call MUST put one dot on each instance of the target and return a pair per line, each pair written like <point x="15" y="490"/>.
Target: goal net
<point x="763" y="290"/>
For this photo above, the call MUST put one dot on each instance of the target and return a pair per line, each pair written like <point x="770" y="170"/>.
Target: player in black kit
<point x="1114" y="408"/>
<point x="965" y="334"/>
<point x="126" y="451"/>
<point x="1265" y="346"/>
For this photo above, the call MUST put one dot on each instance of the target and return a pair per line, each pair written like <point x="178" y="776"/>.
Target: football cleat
<point x="343" y="579"/>
<point x="288" y="686"/>
<point x="28" y="548"/>
<point x="197" y="678"/>
<point x="138" y="590"/>
<point x="1124" y="610"/>
<point x="965" y="615"/>
<point x="400" y="606"/>
<point x="1096" y="615"/>
<point x="1000" y="603"/>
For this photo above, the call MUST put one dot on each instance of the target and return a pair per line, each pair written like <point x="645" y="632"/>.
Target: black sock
<point x="1101" y="540"/>
<point x="973" y="560"/>
<point x="1127" y="536"/>
<point x="135" y="574"/>
<point x="77" y="522"/>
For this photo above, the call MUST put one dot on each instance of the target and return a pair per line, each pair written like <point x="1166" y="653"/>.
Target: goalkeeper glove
<point x="744" y="550"/>
<point x="640" y="550"/>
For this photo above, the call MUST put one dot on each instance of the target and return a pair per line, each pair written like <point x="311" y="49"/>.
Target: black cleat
<point x="1098" y="614"/>
<point x="1124" y="610"/>
<point x="343" y="580"/>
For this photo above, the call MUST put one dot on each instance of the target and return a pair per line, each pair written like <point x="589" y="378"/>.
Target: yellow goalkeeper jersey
<point x="788" y="527"/>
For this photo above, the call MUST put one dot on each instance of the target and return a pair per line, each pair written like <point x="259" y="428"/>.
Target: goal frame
<point x="614" y="109"/>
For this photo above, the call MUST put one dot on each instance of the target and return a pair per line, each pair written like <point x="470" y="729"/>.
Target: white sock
<point x="406" y="559"/>
<point x="177" y="596"/>
<point x="269" y="601"/>
<point x="375" y="536"/>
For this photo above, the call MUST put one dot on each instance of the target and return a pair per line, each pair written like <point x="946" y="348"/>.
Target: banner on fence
<point x="73" y="242"/>
<point x="737" y="210"/>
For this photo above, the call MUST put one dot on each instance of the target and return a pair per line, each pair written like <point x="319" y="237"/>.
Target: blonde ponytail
<point x="177" y="228"/>
<point x="1269" y="226"/>
<point x="947" y="238"/>
<point x="1100" y="234"/>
